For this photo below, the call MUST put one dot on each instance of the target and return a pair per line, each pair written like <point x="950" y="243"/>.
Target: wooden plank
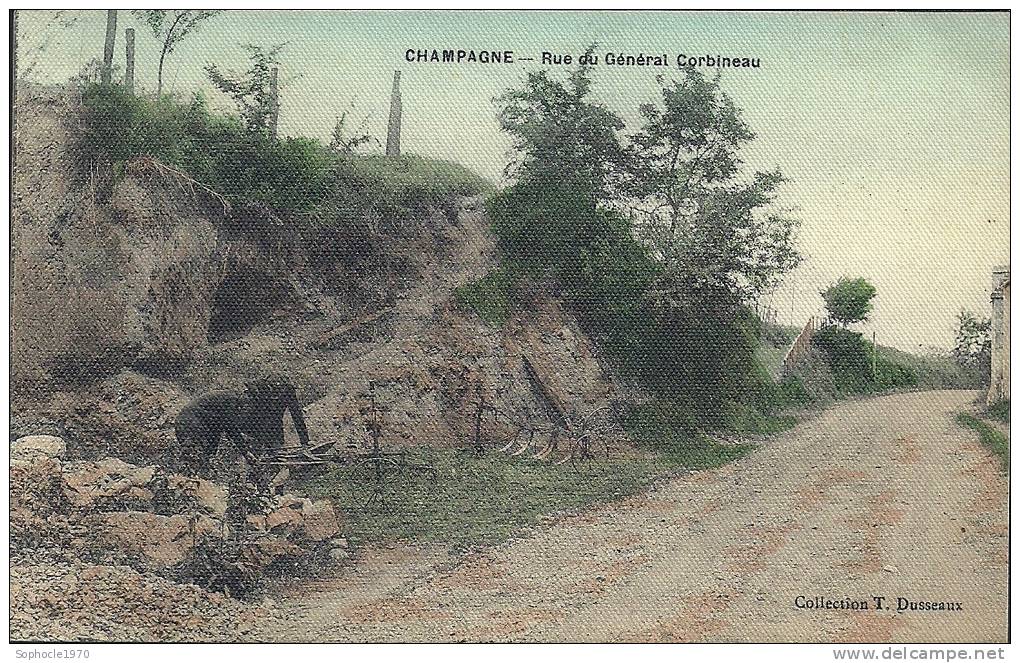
<point x="354" y="324"/>
<point x="546" y="391"/>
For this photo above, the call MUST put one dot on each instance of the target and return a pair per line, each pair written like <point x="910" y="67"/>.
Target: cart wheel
<point x="371" y="482"/>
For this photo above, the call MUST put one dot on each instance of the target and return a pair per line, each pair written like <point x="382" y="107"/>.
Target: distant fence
<point x="767" y="314"/>
<point x="801" y="346"/>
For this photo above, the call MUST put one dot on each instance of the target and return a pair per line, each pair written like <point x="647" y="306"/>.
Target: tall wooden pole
<point x="111" y="39"/>
<point x="129" y="64"/>
<point x="874" y="355"/>
<point x="393" y="133"/>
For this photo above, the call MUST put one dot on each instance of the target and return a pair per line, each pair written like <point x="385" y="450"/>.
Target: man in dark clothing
<point x="268" y="400"/>
<point x="252" y="419"/>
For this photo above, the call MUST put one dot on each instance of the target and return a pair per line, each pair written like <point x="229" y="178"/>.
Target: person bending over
<point x="252" y="419"/>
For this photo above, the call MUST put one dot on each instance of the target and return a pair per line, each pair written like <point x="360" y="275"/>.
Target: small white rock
<point x="38" y="445"/>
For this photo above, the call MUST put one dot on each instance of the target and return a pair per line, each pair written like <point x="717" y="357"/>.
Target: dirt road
<point x="878" y="497"/>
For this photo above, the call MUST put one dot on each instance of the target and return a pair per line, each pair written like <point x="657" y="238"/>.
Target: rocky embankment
<point x="107" y="550"/>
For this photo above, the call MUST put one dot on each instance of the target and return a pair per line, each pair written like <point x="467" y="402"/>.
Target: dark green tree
<point x="717" y="235"/>
<point x="561" y="135"/>
<point x="849" y="300"/>
<point x="668" y="310"/>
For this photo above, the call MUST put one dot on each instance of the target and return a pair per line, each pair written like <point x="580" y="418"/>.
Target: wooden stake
<point x="129" y="63"/>
<point x="111" y="39"/>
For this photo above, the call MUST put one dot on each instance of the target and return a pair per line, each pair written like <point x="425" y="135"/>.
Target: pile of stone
<point x="72" y="601"/>
<point x="115" y="513"/>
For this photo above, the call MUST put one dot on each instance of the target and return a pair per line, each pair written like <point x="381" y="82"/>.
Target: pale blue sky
<point x="893" y="127"/>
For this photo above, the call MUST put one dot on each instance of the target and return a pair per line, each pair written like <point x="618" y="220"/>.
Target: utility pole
<point x="874" y="355"/>
<point x="393" y="133"/>
<point x="129" y="63"/>
<point x="111" y="38"/>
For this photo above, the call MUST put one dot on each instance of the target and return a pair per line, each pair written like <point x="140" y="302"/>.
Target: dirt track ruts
<point x="884" y="496"/>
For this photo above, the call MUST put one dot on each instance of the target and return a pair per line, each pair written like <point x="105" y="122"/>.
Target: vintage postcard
<point x="510" y="326"/>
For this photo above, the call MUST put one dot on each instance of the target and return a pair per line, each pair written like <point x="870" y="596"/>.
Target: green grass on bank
<point x="486" y="499"/>
<point x="246" y="165"/>
<point x="1000" y="411"/>
<point x="994" y="439"/>
<point x="441" y="178"/>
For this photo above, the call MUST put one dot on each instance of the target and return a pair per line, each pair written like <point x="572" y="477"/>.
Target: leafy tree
<point x="717" y="237"/>
<point x="250" y="89"/>
<point x="973" y="348"/>
<point x="849" y="300"/>
<point x="171" y="26"/>
<point x="669" y="310"/>
<point x="560" y="135"/>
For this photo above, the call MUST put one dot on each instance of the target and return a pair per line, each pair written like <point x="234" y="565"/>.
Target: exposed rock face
<point x="38" y="506"/>
<point x="118" y="513"/>
<point x="103" y="271"/>
<point x="427" y="387"/>
<point x="87" y="484"/>
<point x="131" y="276"/>
<point x="301" y="519"/>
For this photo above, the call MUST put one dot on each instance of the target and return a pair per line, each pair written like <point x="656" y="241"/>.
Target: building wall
<point x="998" y="388"/>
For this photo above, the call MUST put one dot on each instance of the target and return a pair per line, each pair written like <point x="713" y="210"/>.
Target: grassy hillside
<point x="290" y="174"/>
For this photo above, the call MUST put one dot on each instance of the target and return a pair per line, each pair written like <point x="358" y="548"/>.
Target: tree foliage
<point x="718" y="235"/>
<point x="560" y="135"/>
<point x="849" y="300"/>
<point x="250" y="89"/>
<point x="171" y="27"/>
<point x="667" y="307"/>
<point x="973" y="349"/>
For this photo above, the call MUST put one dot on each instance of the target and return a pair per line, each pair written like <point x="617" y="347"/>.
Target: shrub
<point x="891" y="375"/>
<point x="491" y="296"/>
<point x="792" y="391"/>
<point x="847" y="356"/>
<point x="550" y="226"/>
<point x="769" y="397"/>
<point x="745" y="418"/>
<point x="403" y="188"/>
<point x="120" y="126"/>
<point x="856" y="365"/>
<point x="937" y="371"/>
<point x="778" y="336"/>
<point x="660" y="425"/>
